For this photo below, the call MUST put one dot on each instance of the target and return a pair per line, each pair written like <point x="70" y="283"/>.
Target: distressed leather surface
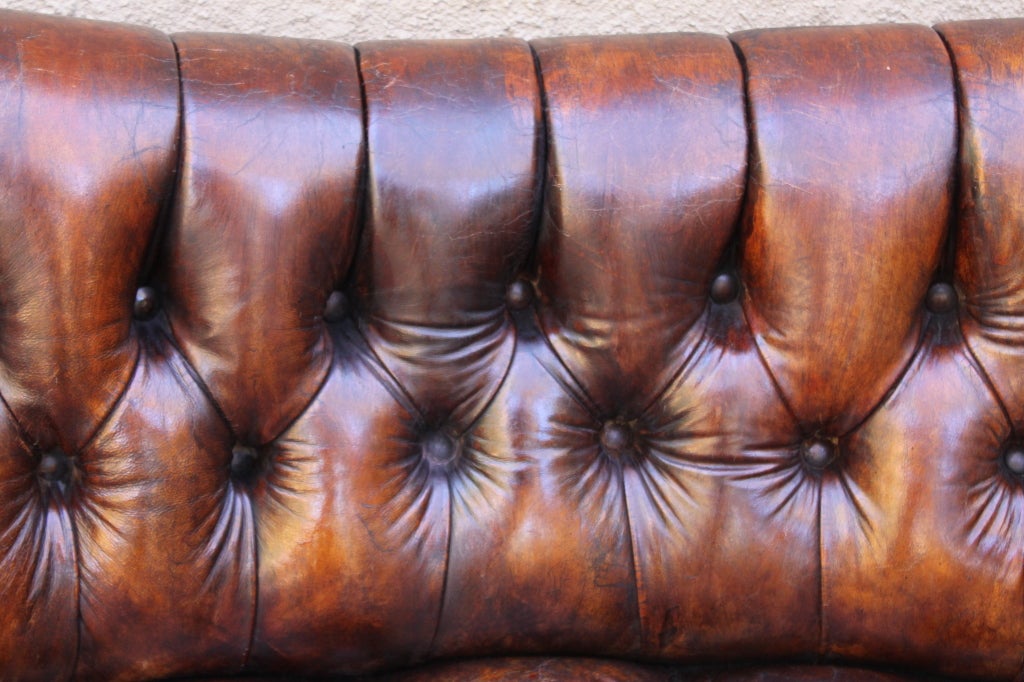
<point x="659" y="351"/>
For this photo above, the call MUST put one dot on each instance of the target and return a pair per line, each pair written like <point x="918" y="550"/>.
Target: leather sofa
<point x="633" y="358"/>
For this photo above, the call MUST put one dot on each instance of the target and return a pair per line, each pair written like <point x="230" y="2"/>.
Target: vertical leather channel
<point x="88" y="114"/>
<point x="990" y="78"/>
<point x="638" y="428"/>
<point x="359" y="511"/>
<point x="263" y="234"/>
<point x="853" y="143"/>
<point x="264" y="221"/>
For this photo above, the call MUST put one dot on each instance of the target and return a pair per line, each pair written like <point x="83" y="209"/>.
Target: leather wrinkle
<point x="704" y="322"/>
<point x="498" y="334"/>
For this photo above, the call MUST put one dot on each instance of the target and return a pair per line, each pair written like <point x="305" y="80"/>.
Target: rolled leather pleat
<point x="853" y="144"/>
<point x="263" y="227"/>
<point x="990" y="240"/>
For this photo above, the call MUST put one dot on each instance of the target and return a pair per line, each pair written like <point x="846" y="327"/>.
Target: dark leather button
<point x="337" y="306"/>
<point x="616" y="436"/>
<point x="519" y="294"/>
<point x="54" y="467"/>
<point x="1013" y="457"/>
<point x="941" y="298"/>
<point x="439" y="448"/>
<point x="725" y="288"/>
<point x="244" y="462"/>
<point x="818" y="452"/>
<point x="147" y="302"/>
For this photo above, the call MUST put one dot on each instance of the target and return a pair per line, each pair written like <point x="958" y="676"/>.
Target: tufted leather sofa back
<point x="671" y="348"/>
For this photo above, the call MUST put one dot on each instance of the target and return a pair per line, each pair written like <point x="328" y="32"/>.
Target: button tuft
<point x="337" y="306"/>
<point x="54" y="467"/>
<point x="616" y="436"/>
<point x="147" y="302"/>
<point x="519" y="294"/>
<point x="245" y="462"/>
<point x="725" y="288"/>
<point x="818" y="453"/>
<point x="1013" y="458"/>
<point x="941" y="298"/>
<point x="439" y="448"/>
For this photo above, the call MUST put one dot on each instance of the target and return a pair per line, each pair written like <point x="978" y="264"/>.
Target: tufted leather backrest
<point x="673" y="348"/>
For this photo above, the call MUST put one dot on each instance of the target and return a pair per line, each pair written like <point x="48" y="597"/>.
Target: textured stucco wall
<point x="353" y="21"/>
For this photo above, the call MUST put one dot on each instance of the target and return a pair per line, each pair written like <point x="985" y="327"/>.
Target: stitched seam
<point x="447" y="568"/>
<point x="638" y="583"/>
<point x="822" y="630"/>
<point x="78" y="590"/>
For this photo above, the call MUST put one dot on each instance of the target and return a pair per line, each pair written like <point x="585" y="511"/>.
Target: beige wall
<point x="352" y="21"/>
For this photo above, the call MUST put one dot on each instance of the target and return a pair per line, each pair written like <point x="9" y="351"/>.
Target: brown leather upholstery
<point x="657" y="351"/>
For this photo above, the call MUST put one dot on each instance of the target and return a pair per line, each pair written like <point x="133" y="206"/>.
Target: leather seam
<point x="822" y="629"/>
<point x="79" y="624"/>
<point x="541" y="147"/>
<point x="635" y="559"/>
<point x="204" y="389"/>
<point x="447" y="569"/>
<point x="751" y="162"/>
<point x="923" y="333"/>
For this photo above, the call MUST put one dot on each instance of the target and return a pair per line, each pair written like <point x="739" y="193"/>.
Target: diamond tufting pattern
<point x="679" y="349"/>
